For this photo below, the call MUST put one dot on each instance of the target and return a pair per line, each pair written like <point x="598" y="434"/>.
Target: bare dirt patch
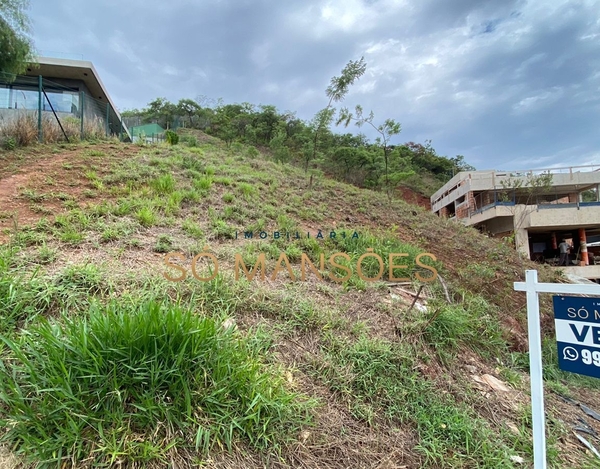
<point x="33" y="188"/>
<point x="7" y="460"/>
<point x="412" y="197"/>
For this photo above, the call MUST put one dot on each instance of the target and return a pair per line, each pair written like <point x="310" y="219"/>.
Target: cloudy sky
<point x="509" y="84"/>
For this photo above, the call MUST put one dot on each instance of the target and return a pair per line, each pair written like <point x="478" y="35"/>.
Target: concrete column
<point x="583" y="249"/>
<point x="554" y="243"/>
<point x="522" y="242"/>
<point x="573" y="198"/>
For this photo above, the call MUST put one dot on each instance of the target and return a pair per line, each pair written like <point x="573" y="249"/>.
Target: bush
<point x="9" y="143"/>
<point x="190" y="140"/>
<point x="139" y="385"/>
<point x="171" y="137"/>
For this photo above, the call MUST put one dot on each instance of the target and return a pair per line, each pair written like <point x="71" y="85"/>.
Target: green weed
<point x="146" y="216"/>
<point x="130" y="377"/>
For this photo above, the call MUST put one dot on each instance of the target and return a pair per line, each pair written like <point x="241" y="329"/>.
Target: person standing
<point x="564" y="248"/>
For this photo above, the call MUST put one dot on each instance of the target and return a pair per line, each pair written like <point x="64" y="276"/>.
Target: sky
<point x="508" y="84"/>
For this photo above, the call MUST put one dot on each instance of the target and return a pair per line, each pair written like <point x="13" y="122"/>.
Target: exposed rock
<point x="495" y="383"/>
<point x="513" y="428"/>
<point x="230" y="322"/>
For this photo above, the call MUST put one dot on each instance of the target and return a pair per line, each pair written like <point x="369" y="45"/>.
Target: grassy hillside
<point x="106" y="362"/>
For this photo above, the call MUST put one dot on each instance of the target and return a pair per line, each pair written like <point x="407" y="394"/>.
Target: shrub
<point x="252" y="152"/>
<point x="146" y="216"/>
<point x="9" y="143"/>
<point x="171" y="137"/>
<point x="139" y="385"/>
<point x="190" y="141"/>
<point x="164" y="184"/>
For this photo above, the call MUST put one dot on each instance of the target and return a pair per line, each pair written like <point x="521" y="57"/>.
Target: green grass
<point x="46" y="255"/>
<point x="221" y="229"/>
<point x="136" y="385"/>
<point x="33" y="196"/>
<point x="19" y="298"/>
<point x="146" y="216"/>
<point x="164" y="244"/>
<point x="192" y="228"/>
<point x="473" y="323"/>
<point x="204" y="183"/>
<point x="379" y="382"/>
<point x="247" y="190"/>
<point x="165" y="184"/>
<point x="393" y="370"/>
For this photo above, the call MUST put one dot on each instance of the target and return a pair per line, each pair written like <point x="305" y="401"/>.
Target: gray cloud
<point x="505" y="83"/>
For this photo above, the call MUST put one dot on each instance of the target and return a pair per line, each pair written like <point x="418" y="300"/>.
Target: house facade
<point x="538" y="207"/>
<point x="62" y="89"/>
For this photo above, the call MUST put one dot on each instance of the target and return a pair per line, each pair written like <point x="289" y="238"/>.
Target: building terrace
<point x="539" y="207"/>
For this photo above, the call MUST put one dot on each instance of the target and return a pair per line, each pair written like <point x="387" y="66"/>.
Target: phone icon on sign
<point x="569" y="353"/>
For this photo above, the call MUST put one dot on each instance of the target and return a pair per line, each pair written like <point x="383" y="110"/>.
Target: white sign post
<point x="533" y="289"/>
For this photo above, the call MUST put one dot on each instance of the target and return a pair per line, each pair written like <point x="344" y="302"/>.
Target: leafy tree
<point x="16" y="52"/>
<point x="336" y="92"/>
<point x="590" y="195"/>
<point x="424" y="156"/>
<point x="265" y="123"/>
<point x="190" y="109"/>
<point x="460" y="164"/>
<point x="281" y="151"/>
<point x="386" y="131"/>
<point x="131" y="113"/>
<point x="162" y="112"/>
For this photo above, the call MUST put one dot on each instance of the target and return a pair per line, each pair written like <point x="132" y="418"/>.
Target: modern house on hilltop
<point x="540" y="207"/>
<point x="60" y="89"/>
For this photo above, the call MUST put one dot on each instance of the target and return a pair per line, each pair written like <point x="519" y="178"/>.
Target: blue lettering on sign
<point x="575" y="308"/>
<point x="577" y="322"/>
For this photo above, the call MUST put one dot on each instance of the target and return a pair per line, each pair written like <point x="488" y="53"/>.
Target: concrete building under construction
<point x="538" y="207"/>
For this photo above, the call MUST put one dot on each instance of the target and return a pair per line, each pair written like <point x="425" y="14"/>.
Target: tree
<point x="336" y="91"/>
<point x="281" y="151"/>
<point x="190" y="109"/>
<point x="161" y="111"/>
<point x="386" y="131"/>
<point x="16" y="49"/>
<point x="460" y="164"/>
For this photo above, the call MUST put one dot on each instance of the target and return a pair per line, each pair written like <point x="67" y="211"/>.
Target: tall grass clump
<point x="164" y="184"/>
<point x="381" y="381"/>
<point x="473" y="323"/>
<point x="21" y="130"/>
<point x="21" y="298"/>
<point x="138" y="385"/>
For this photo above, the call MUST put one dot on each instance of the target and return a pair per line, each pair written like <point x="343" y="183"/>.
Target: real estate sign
<point x="577" y="321"/>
